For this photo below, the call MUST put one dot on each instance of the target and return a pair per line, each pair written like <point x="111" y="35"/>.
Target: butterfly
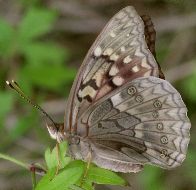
<point x="120" y="109"/>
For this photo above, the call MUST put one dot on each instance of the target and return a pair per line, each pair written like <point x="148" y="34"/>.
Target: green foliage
<point x="36" y="23"/>
<point x="53" y="157"/>
<point x="64" y="174"/>
<point x="23" y="125"/>
<point x="28" y="52"/>
<point x="162" y="47"/>
<point x="72" y="173"/>
<point x="188" y="86"/>
<point x="40" y="53"/>
<point x="46" y="179"/>
<point x="190" y="164"/>
<point x="30" y="3"/>
<point x="43" y="62"/>
<point x="6" y="39"/>
<point x="6" y="102"/>
<point x="35" y="59"/>
<point x="50" y="77"/>
<point x="66" y="177"/>
<point x="102" y="176"/>
<point x="150" y="178"/>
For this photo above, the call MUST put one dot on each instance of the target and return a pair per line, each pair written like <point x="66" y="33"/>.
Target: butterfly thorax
<point x="78" y="147"/>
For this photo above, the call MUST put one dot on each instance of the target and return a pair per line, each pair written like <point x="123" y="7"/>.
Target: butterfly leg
<point x="34" y="169"/>
<point x="33" y="176"/>
<point x="58" y="159"/>
<point x="89" y="159"/>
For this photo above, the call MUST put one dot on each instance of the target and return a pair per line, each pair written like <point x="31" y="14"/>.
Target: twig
<point x="13" y="160"/>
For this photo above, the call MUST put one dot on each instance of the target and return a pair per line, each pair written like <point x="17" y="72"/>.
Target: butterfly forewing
<point x="118" y="55"/>
<point x="145" y="121"/>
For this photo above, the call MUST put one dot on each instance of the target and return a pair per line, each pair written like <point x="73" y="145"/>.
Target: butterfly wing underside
<point x="143" y="122"/>
<point x="119" y="54"/>
<point x="125" y="115"/>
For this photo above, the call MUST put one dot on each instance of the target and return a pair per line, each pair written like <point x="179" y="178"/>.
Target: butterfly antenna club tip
<point x="9" y="84"/>
<point x="13" y="81"/>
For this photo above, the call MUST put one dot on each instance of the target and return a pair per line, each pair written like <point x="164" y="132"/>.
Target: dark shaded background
<point x="45" y="65"/>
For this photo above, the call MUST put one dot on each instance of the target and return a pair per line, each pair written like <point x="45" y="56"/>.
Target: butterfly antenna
<point x="14" y="85"/>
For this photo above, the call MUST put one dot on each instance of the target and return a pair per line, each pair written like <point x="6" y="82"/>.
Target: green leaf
<point x="68" y="176"/>
<point x="52" y="159"/>
<point x="64" y="160"/>
<point x="47" y="75"/>
<point x="41" y="53"/>
<point x="103" y="176"/>
<point x="46" y="179"/>
<point x="36" y="22"/>
<point x="87" y="185"/>
<point x="6" y="38"/>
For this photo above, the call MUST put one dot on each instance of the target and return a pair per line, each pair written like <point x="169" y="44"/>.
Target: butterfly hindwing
<point x="145" y="121"/>
<point x="119" y="54"/>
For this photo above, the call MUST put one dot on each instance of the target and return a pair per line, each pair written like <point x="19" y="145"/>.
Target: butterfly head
<point x="56" y="131"/>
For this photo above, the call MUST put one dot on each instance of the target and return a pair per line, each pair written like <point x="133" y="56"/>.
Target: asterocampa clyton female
<point x="120" y="110"/>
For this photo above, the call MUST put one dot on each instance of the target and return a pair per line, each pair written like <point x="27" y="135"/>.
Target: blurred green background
<point x="42" y="44"/>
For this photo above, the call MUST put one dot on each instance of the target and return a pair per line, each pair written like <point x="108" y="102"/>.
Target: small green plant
<point x="61" y="172"/>
<point x="30" y="45"/>
<point x="41" y="63"/>
<point x="29" y="54"/>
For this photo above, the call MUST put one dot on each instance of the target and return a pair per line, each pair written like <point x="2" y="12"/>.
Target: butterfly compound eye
<point x="74" y="140"/>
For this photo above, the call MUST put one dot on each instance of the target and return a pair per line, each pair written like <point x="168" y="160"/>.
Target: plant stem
<point x="33" y="177"/>
<point x="14" y="160"/>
